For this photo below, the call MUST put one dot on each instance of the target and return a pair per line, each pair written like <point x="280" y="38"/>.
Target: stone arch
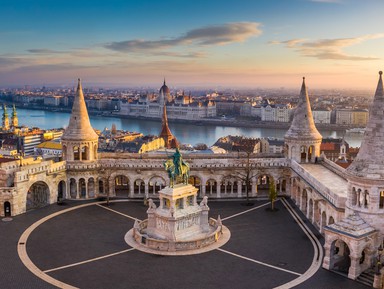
<point x="262" y="184"/>
<point x="304" y="201"/>
<point x="339" y="256"/>
<point x="84" y="153"/>
<point x="76" y="153"/>
<point x="381" y="202"/>
<point x="138" y="187"/>
<point x="82" y="188"/>
<point x="310" y="210"/>
<point x="211" y="187"/>
<point x="72" y="188"/>
<point x="293" y="152"/>
<point x="323" y="220"/>
<point x="311" y="153"/>
<point x="37" y="195"/>
<point x="366" y="199"/>
<point x="101" y="186"/>
<point x="227" y="185"/>
<point x="61" y="191"/>
<point x="7" y="209"/>
<point x="196" y="182"/>
<point x="121" y="183"/>
<point x="91" y="187"/>
<point x="354" y="197"/>
<point x="331" y="220"/>
<point x="303" y="154"/>
<point x="155" y="184"/>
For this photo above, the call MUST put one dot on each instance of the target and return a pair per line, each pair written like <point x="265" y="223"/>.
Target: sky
<point x="201" y="43"/>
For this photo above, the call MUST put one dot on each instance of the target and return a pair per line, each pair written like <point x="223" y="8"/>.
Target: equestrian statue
<point x="177" y="169"/>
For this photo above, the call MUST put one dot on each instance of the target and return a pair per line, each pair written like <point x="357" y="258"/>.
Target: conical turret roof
<point x="303" y="127"/>
<point x="79" y="128"/>
<point x="369" y="162"/>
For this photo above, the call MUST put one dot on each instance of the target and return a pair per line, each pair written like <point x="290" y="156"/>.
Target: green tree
<point x="272" y="195"/>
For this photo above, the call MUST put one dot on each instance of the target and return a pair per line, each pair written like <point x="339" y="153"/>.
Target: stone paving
<point x="269" y="238"/>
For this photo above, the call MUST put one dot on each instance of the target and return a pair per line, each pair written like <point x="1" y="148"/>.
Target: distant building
<point x="49" y="149"/>
<point x="53" y="100"/>
<point x="322" y="115"/>
<point x="180" y="107"/>
<point x="360" y="117"/>
<point x="272" y="112"/>
<point x="242" y="144"/>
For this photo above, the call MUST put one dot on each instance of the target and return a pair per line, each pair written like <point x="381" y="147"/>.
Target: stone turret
<point x="79" y="140"/>
<point x="5" y="118"/>
<point x="302" y="140"/>
<point x="14" y="120"/>
<point x="166" y="134"/>
<point x="366" y="173"/>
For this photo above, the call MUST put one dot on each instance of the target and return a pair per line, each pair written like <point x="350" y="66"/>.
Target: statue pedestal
<point x="179" y="223"/>
<point x="178" y="216"/>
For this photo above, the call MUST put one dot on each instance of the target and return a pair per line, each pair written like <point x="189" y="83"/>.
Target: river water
<point x="185" y="133"/>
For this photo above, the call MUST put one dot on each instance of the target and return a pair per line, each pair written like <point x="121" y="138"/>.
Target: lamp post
<point x="378" y="261"/>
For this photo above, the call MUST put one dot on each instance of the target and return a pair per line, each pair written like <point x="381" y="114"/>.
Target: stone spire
<point x="166" y="134"/>
<point x="79" y="128"/>
<point x="369" y="162"/>
<point x="303" y="127"/>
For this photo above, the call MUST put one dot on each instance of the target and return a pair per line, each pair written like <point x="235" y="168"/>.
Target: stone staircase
<point x="366" y="277"/>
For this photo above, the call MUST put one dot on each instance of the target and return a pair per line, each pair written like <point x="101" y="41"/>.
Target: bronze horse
<point x="183" y="171"/>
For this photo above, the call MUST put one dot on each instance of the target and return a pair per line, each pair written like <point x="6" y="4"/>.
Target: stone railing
<point x="57" y="167"/>
<point x="326" y="193"/>
<point x="208" y="162"/>
<point x="165" y="245"/>
<point x="4" y="191"/>
<point x="330" y="165"/>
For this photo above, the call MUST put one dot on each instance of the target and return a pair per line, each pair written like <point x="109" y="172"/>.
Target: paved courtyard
<point x="85" y="248"/>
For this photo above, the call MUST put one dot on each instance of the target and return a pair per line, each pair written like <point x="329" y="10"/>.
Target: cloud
<point x="44" y="51"/>
<point x="329" y="48"/>
<point x="206" y="36"/>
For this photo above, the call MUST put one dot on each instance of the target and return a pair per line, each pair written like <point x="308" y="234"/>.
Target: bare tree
<point x="272" y="195"/>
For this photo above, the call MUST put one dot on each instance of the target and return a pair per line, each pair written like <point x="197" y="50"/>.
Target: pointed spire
<point x="369" y="162"/>
<point x="303" y="127"/>
<point x="5" y="112"/>
<point x="166" y="134"/>
<point x="79" y="127"/>
<point x="379" y="90"/>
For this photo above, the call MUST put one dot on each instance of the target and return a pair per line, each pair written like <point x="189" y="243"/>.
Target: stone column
<point x="146" y="189"/>
<point x="254" y="188"/>
<point x="218" y="190"/>
<point x="131" y="189"/>
<point x="86" y="189"/>
<point x="354" y="269"/>
<point x="77" y="189"/>
<point x="203" y="192"/>
<point x="239" y="189"/>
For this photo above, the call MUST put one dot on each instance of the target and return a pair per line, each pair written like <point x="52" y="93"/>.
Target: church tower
<point x="302" y="140"/>
<point x="14" y="120"/>
<point x="79" y="140"/>
<point x="366" y="173"/>
<point x="5" y="118"/>
<point x="166" y="134"/>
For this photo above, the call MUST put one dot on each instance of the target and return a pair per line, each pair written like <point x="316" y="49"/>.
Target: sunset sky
<point x="250" y="43"/>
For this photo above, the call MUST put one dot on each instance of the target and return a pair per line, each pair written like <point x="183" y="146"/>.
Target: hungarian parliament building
<point x="178" y="107"/>
<point x="345" y="205"/>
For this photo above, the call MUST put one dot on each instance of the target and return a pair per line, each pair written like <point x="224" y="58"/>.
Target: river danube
<point x="185" y="133"/>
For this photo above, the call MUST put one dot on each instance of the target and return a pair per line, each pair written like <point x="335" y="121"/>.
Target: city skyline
<point x="334" y="43"/>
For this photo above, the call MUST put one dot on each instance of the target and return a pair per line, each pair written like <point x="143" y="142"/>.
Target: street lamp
<point x="378" y="262"/>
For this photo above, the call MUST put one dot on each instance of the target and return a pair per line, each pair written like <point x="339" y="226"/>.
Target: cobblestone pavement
<point x="262" y="245"/>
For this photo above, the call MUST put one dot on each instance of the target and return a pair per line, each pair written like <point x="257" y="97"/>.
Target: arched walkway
<point x="155" y="184"/>
<point x="211" y="187"/>
<point x="340" y="260"/>
<point x="196" y="182"/>
<point x="37" y="196"/>
<point x="61" y="191"/>
<point x="7" y="209"/>
<point x="121" y="186"/>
